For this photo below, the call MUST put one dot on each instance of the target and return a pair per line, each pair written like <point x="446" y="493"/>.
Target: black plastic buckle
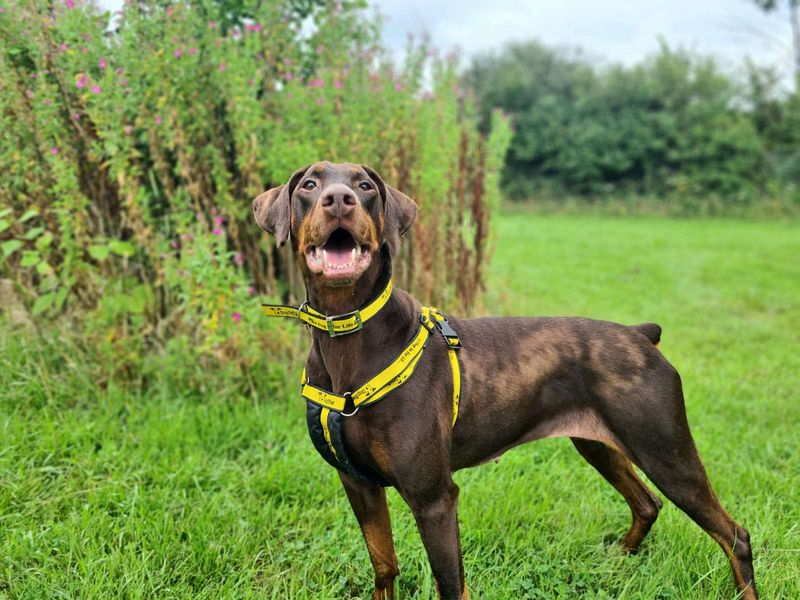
<point x="350" y="407"/>
<point x="329" y="321"/>
<point x="448" y="333"/>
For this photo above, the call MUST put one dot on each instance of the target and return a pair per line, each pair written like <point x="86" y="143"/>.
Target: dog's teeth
<point x="352" y="255"/>
<point x="324" y="257"/>
<point x="358" y="250"/>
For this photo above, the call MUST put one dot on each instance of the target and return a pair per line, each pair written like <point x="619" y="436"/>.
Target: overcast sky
<point x="614" y="31"/>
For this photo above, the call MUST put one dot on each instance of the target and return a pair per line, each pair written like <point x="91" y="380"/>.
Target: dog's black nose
<point x="338" y="200"/>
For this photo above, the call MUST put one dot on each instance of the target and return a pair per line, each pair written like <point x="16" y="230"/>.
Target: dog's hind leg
<point x="658" y="440"/>
<point x="369" y="505"/>
<point x="618" y="471"/>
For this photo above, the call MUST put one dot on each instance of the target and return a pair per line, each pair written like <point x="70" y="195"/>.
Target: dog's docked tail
<point x="651" y="331"/>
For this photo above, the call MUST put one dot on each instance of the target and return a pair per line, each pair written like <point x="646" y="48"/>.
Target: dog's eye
<point x="309" y="185"/>
<point x="365" y="185"/>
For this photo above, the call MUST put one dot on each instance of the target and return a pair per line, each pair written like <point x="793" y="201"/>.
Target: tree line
<point x="673" y="124"/>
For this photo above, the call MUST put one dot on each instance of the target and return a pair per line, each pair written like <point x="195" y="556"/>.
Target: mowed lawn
<point x="106" y="493"/>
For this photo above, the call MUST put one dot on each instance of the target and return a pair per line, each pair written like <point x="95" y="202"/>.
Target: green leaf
<point x="136" y="300"/>
<point x="99" y="252"/>
<point x="5" y="212"/>
<point x="61" y="296"/>
<point x="44" y="241"/>
<point x="121" y="248"/>
<point x="4" y="225"/>
<point x="10" y="246"/>
<point x="43" y="268"/>
<point x="29" y="258"/>
<point x="42" y="303"/>
<point x="35" y="232"/>
<point x="29" y="214"/>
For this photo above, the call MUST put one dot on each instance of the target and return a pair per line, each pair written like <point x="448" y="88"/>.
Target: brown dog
<point x="601" y="384"/>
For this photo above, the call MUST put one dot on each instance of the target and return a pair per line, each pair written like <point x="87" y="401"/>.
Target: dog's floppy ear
<point x="399" y="211"/>
<point x="272" y="210"/>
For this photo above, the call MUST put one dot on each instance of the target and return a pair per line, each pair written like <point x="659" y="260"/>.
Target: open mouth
<point x="341" y="257"/>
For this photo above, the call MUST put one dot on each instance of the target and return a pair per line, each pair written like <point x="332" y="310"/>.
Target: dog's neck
<point x="351" y="359"/>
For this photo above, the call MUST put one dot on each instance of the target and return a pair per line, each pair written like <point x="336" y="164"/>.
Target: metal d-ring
<point x="348" y="397"/>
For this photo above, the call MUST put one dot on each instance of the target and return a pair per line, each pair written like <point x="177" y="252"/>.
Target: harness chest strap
<point x="335" y="325"/>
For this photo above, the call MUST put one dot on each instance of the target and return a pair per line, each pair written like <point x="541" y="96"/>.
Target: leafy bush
<point x="132" y="144"/>
<point x="669" y="126"/>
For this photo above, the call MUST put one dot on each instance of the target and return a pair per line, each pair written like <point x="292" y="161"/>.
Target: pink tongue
<point x="338" y="256"/>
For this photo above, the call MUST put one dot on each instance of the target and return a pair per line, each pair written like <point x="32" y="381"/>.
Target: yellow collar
<point x="335" y="325"/>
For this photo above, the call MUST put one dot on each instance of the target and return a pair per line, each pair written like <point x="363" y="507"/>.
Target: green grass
<point x="109" y="493"/>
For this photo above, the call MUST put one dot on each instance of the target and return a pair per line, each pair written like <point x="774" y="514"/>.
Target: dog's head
<point x="338" y="217"/>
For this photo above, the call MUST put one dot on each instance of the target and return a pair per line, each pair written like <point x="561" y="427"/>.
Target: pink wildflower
<point x="212" y="24"/>
<point x="251" y="291"/>
<point x="159" y="120"/>
<point x="236" y="317"/>
<point x="173" y="244"/>
<point x="256" y="27"/>
<point x="76" y="116"/>
<point x="29" y="94"/>
<point x="250" y="82"/>
<point x="221" y="67"/>
<point x="216" y="231"/>
<point x="170" y="10"/>
<point x="338" y="84"/>
<point x="82" y="81"/>
<point x="178" y="53"/>
<point x="118" y="70"/>
<point x="192" y="51"/>
<point x="69" y="3"/>
<point x="398" y="86"/>
<point x="64" y="47"/>
<point x="218" y="220"/>
<point x="96" y="89"/>
<point x="239" y="260"/>
<point x="128" y="129"/>
<point x="54" y="150"/>
<point x="235" y="33"/>
<point x="213" y="210"/>
<point x="316" y="83"/>
<point x="102" y="63"/>
<point x="288" y="76"/>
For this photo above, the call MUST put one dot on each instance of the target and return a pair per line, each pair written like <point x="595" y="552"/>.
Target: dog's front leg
<point x="369" y="505"/>
<point x="437" y="521"/>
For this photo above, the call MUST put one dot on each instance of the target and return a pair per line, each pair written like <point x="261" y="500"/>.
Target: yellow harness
<point x="325" y="409"/>
<point x="395" y="374"/>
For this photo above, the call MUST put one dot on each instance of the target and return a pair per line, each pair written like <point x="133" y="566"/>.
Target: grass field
<point x="110" y="493"/>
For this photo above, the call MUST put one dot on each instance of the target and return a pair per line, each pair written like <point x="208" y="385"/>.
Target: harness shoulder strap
<point x="453" y="343"/>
